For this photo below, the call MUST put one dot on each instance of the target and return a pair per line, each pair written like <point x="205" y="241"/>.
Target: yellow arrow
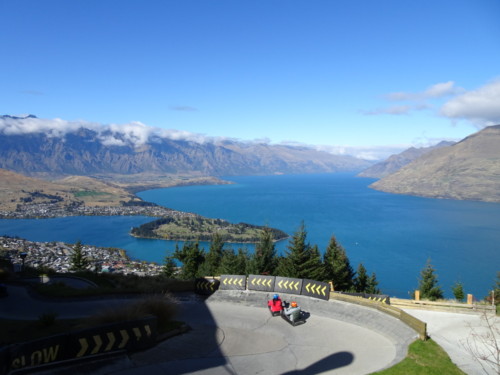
<point x="323" y="290"/>
<point x="98" y="344"/>
<point x="279" y="284"/>
<point x="83" y="347"/>
<point x="148" y="330"/>
<point x="307" y="287"/>
<point x="240" y="282"/>
<point x="230" y="281"/>
<point x="296" y="285"/>
<point x="286" y="284"/>
<point x="137" y="333"/>
<point x="111" y="339"/>
<point x="253" y="281"/>
<point x="224" y="282"/>
<point x="269" y="283"/>
<point x="125" y="338"/>
<point x="258" y="282"/>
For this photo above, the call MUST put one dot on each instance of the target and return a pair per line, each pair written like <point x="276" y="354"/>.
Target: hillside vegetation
<point x="470" y="169"/>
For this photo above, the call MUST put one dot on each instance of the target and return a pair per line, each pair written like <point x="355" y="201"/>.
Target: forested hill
<point x="34" y="146"/>
<point x="198" y="228"/>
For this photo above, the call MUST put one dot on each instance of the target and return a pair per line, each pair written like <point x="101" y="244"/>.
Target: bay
<point x="392" y="235"/>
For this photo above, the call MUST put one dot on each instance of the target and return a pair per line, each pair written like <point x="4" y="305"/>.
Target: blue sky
<point x="356" y="76"/>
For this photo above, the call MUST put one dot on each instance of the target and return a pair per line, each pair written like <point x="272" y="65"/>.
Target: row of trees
<point x="301" y="260"/>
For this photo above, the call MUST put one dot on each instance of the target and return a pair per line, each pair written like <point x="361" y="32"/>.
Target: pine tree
<point x="242" y="261"/>
<point x="78" y="261"/>
<point x="191" y="257"/>
<point x="428" y="284"/>
<point x="337" y="267"/>
<point x="372" y="285"/>
<point x="264" y="261"/>
<point x="169" y="267"/>
<point x="458" y="291"/>
<point x="212" y="260"/>
<point x="228" y="263"/>
<point x="361" y="279"/>
<point x="301" y="259"/>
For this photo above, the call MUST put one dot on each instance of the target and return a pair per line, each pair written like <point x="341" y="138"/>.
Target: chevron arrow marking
<point x="83" y="347"/>
<point x="279" y="284"/>
<point x="286" y="284"/>
<point x="111" y="341"/>
<point x="98" y="344"/>
<point x="258" y="282"/>
<point x="269" y="283"/>
<point x="240" y="282"/>
<point x="148" y="330"/>
<point x="253" y="281"/>
<point x="296" y="286"/>
<point x="137" y="333"/>
<point x="125" y="338"/>
<point x="323" y="290"/>
<point x="307" y="287"/>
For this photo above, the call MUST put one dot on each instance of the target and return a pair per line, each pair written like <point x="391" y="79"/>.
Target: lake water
<point x="392" y="235"/>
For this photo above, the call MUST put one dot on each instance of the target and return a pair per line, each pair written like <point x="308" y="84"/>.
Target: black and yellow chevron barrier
<point x="233" y="282"/>
<point x="129" y="336"/>
<point x="261" y="282"/>
<point x="205" y="286"/>
<point x="317" y="289"/>
<point x="287" y="285"/>
<point x="384" y="298"/>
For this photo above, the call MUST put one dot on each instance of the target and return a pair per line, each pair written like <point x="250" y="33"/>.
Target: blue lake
<point x="392" y="235"/>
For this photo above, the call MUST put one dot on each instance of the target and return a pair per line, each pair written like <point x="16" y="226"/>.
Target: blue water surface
<point x="392" y="235"/>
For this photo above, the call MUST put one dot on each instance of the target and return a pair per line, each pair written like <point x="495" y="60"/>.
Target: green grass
<point x="424" y="358"/>
<point x="89" y="193"/>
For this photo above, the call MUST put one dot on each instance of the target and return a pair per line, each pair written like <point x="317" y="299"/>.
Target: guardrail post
<point x="417" y="295"/>
<point x="469" y="299"/>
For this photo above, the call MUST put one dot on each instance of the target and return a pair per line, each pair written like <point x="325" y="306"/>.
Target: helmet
<point x="276" y="296"/>
<point x="293" y="304"/>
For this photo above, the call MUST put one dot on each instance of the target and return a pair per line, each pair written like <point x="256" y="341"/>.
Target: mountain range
<point x="34" y="147"/>
<point x="395" y="162"/>
<point x="469" y="169"/>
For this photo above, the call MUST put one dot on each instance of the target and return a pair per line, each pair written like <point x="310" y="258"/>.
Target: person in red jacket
<point x="275" y="305"/>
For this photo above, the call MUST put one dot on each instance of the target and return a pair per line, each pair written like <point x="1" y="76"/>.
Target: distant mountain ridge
<point x="395" y="162"/>
<point x="64" y="148"/>
<point x="469" y="169"/>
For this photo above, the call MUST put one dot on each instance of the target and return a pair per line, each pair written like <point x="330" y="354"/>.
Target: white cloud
<point x="394" y="110"/>
<point x="437" y="90"/>
<point x="134" y="133"/>
<point x="481" y="106"/>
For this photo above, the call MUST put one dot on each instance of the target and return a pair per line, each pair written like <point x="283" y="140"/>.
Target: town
<point x="56" y="256"/>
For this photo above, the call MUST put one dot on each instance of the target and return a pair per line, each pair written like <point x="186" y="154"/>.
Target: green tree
<point x="372" y="285"/>
<point x="300" y="259"/>
<point x="78" y="261"/>
<point x="242" y="262"/>
<point x="428" y="284"/>
<point x="361" y="279"/>
<point x="337" y="267"/>
<point x="213" y="258"/>
<point x="264" y="261"/>
<point x="458" y="291"/>
<point x="192" y="257"/>
<point x="169" y="267"/>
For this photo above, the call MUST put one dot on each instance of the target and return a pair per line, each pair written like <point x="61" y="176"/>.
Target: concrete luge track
<point x="234" y="333"/>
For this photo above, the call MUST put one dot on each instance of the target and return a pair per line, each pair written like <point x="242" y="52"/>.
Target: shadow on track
<point x="329" y="363"/>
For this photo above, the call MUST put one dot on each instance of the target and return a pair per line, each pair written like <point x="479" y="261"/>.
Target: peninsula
<point x="24" y="197"/>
